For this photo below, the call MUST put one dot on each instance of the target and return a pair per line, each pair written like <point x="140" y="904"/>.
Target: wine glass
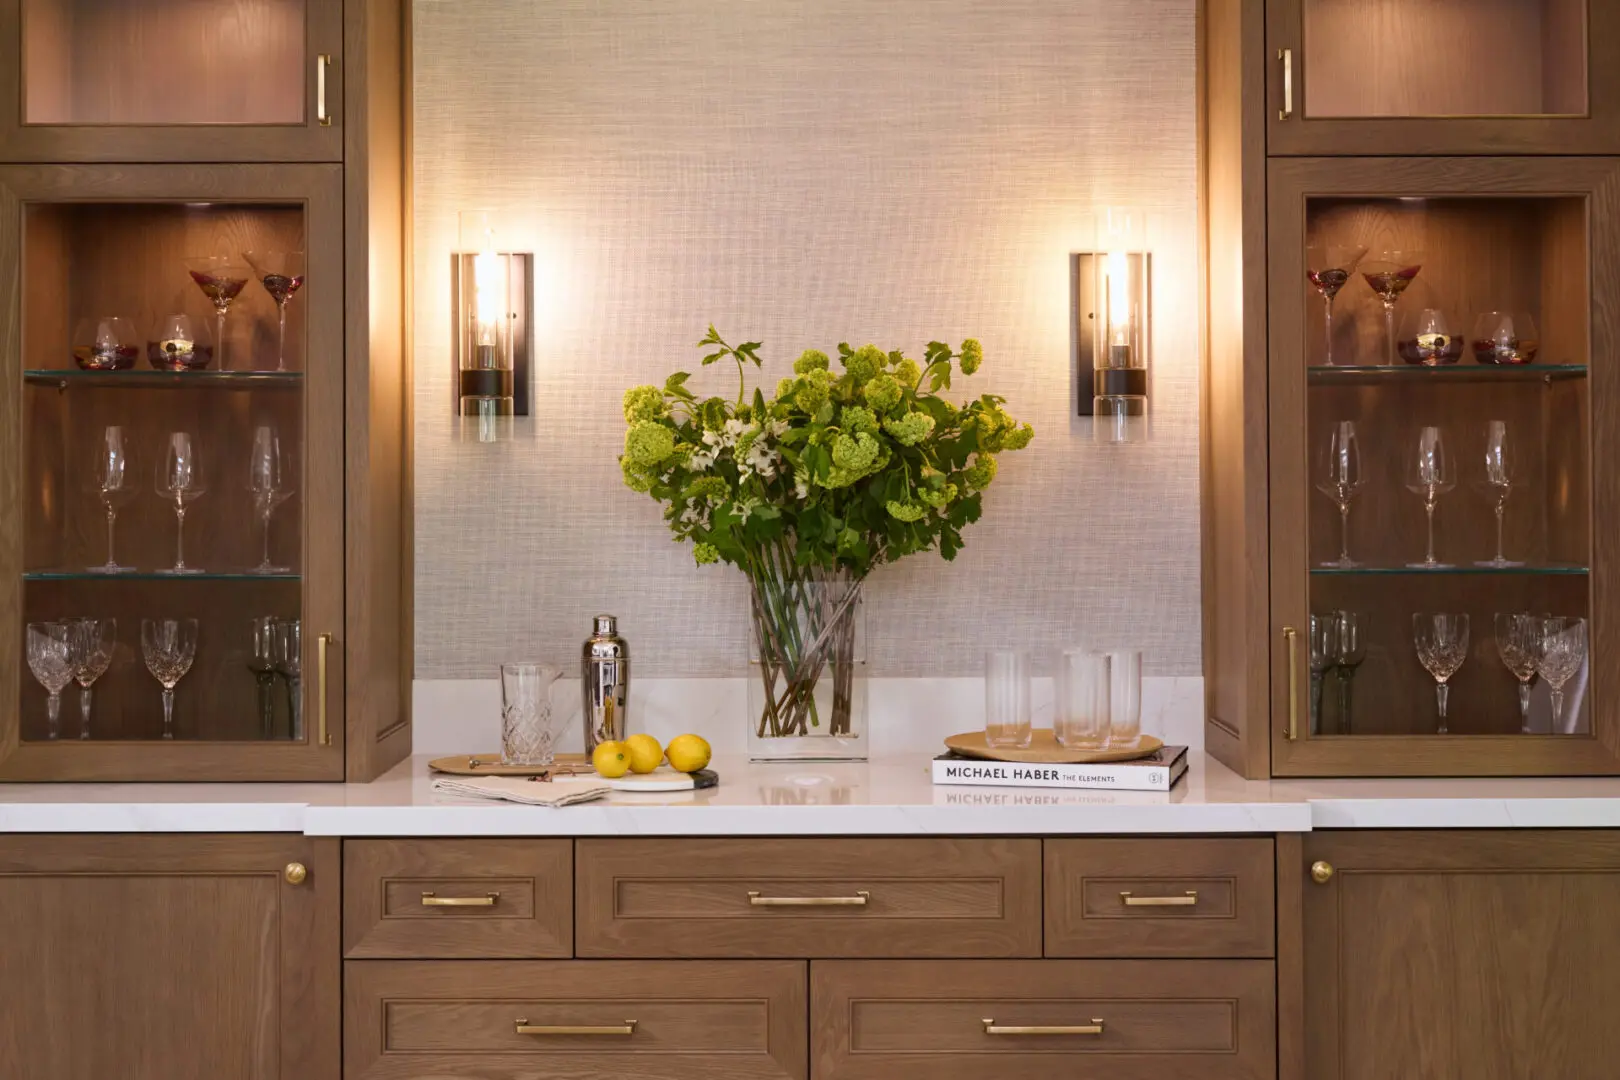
<point x="1427" y="338"/>
<point x="1430" y="473"/>
<point x="1352" y="650"/>
<point x="289" y="646"/>
<point x="169" y="646"/>
<point x="112" y="478"/>
<point x="1563" y="651"/>
<point x="93" y="644"/>
<point x="262" y="662"/>
<point x="282" y="274"/>
<point x="1442" y="646"/>
<point x="1324" y="641"/>
<point x="1328" y="268"/>
<point x="1518" y="643"/>
<point x="1389" y="273"/>
<point x="50" y="658"/>
<point x="180" y="480"/>
<point x="1505" y="337"/>
<point x="270" y="481"/>
<point x="1496" y="480"/>
<point x="106" y="343"/>
<point x="221" y="279"/>
<point x="1339" y="477"/>
<point x="177" y="347"/>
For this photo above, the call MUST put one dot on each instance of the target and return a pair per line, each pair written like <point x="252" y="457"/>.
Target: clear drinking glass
<point x="289" y="646"/>
<point x="1324" y="642"/>
<point x="1506" y="337"/>
<point x="1389" y="273"/>
<point x="1563" y="651"/>
<point x="106" y="343"/>
<point x="168" y="646"/>
<point x="270" y="482"/>
<point x="1328" y="268"/>
<point x="93" y="644"/>
<point x="1518" y="643"/>
<point x="1496" y="479"/>
<point x="1082" y="719"/>
<point x="1006" y="698"/>
<point x="1339" y="477"/>
<point x="112" y="477"/>
<point x="1430" y="473"/>
<point x="1349" y="652"/>
<point x="177" y="347"/>
<point x="282" y="274"/>
<point x="262" y="630"/>
<point x="1442" y="646"/>
<point x="180" y="480"/>
<point x="50" y="658"/>
<point x="1124" y="697"/>
<point x="1430" y="339"/>
<point x="530" y="726"/>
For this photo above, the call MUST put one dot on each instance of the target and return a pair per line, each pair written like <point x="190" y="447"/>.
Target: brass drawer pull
<point x="487" y="900"/>
<point x="860" y="899"/>
<point x="523" y="1027"/>
<point x="1188" y="900"/>
<point x="1291" y="640"/>
<point x="1093" y="1028"/>
<point x="322" y="62"/>
<point x="1286" y="57"/>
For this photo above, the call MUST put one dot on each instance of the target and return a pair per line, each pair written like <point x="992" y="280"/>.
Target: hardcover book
<point x="1157" y="772"/>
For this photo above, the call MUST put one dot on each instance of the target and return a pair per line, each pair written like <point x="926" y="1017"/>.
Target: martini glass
<point x="1329" y="269"/>
<point x="1389" y="273"/>
<point x="221" y="279"/>
<point x="282" y="274"/>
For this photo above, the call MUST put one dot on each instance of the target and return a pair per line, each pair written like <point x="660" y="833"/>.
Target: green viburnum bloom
<point x="648" y="443"/>
<point x="865" y="362"/>
<point x="882" y="393"/>
<point x="811" y="360"/>
<point x="910" y="429"/>
<point x="644" y="403"/>
<point x="908" y="372"/>
<point x="938" y="498"/>
<point x="712" y="413"/>
<point x="705" y="554"/>
<point x="785" y="387"/>
<point x="855" y="453"/>
<point x="1018" y="438"/>
<point x="813" y="390"/>
<point x="972" y="356"/>
<point x="905" y="511"/>
<point x="855" y="419"/>
<point x="635" y="477"/>
<point x="978" y="475"/>
<point x="709" y="488"/>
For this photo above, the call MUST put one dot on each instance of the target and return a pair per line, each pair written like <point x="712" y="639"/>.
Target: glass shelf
<point x="1563" y="569"/>
<point x="62" y="378"/>
<point x="1369" y="374"/>
<point x="155" y="575"/>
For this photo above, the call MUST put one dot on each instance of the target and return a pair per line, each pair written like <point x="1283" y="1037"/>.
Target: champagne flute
<point x="1563" y="651"/>
<point x="1496" y="480"/>
<point x="270" y="482"/>
<point x="290" y="666"/>
<point x="1518" y="643"/>
<point x="1430" y="473"/>
<point x="262" y="662"/>
<point x="282" y="275"/>
<point x="1339" y="477"/>
<point x="1442" y="646"/>
<point x="1324" y="642"/>
<point x="180" y="480"/>
<point x="168" y="646"/>
<point x="1389" y="273"/>
<point x="93" y="644"/>
<point x="50" y="658"/>
<point x="112" y="477"/>
<point x="1328" y="268"/>
<point x="221" y="279"/>
<point x="1352" y="650"/>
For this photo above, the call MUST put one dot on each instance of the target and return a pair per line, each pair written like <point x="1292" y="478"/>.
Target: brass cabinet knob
<point x="296" y="873"/>
<point x="1321" y="872"/>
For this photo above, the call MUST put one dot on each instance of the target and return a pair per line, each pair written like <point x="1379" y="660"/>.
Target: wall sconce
<point x="494" y="317"/>
<point x="1113" y="328"/>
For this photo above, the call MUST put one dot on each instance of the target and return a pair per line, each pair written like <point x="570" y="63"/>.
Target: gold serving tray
<point x="1044" y="749"/>
<point x="490" y="765"/>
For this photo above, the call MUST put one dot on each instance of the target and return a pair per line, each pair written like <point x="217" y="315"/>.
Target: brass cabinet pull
<point x="323" y="736"/>
<point x="487" y="900"/>
<point x="1189" y="899"/>
<point x="1321" y="872"/>
<point x="860" y="899"/>
<point x="322" y="62"/>
<point x="1093" y="1028"/>
<point x="296" y="873"/>
<point x="1291" y="638"/>
<point x="523" y="1027"/>
<point x="1286" y="56"/>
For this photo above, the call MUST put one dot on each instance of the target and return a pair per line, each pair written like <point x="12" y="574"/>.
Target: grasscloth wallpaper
<point x="802" y="172"/>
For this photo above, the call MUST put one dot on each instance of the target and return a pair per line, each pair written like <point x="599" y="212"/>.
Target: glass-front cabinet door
<point x="1443" y="404"/>
<point x="1444" y="77"/>
<point x="171" y="80"/>
<point x="171" y="483"/>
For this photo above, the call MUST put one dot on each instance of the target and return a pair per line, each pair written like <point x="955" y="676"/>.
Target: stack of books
<point x="1157" y="772"/>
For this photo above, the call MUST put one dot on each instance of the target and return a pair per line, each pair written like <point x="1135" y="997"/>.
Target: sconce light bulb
<point x="490" y="297"/>
<point x="1117" y="267"/>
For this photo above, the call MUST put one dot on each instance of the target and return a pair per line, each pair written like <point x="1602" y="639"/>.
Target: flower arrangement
<point x="809" y="490"/>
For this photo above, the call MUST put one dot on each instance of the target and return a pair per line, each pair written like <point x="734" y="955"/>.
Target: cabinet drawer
<point x="1160" y="898"/>
<point x="415" y="1020"/>
<point x="457" y="898"/>
<point x="809" y="898"/>
<point x="972" y="1020"/>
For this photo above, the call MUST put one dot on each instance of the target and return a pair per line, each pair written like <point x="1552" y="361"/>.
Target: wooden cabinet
<point x="169" y="958"/>
<point x="1479" y="954"/>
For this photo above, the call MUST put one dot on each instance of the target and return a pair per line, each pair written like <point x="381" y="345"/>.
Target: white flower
<point x="701" y="460"/>
<point x="695" y="515"/>
<point x="734" y="428"/>
<point x="775" y="429"/>
<point x="744" y="508"/>
<point x="801" y="487"/>
<point x="761" y="459"/>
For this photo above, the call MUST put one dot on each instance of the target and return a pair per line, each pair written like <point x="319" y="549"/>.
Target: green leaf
<point x="711" y="338"/>
<point x="844" y="350"/>
<point x="712" y="357"/>
<point x="676" y="381"/>
<point x="759" y="405"/>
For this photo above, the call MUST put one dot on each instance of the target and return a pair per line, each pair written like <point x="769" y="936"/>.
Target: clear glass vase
<point x="807" y="669"/>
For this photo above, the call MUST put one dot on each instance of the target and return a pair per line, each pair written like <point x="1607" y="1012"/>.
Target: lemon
<point x="611" y="759"/>
<point x="688" y="753"/>
<point x="645" y="753"/>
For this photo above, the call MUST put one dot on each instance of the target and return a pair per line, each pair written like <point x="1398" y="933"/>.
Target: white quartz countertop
<point x="884" y="798"/>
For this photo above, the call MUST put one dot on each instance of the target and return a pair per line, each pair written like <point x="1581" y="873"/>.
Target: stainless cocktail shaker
<point x="605" y="673"/>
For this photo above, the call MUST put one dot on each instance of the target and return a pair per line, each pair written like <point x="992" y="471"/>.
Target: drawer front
<point x="1161" y="898"/>
<point x="568" y="1020"/>
<point x="449" y="899"/>
<point x="808" y="898"/>
<point x="1040" y="1019"/>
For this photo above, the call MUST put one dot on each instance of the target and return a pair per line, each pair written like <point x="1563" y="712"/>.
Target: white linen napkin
<point x="564" y="791"/>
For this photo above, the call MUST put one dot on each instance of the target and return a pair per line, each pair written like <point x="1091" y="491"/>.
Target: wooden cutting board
<point x="1044" y="749"/>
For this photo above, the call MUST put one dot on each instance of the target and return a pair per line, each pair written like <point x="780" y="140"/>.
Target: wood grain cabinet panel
<point x="972" y="1020"/>
<point x="1487" y="955"/>
<point x="808" y="898"/>
<point x="1160" y="898"/>
<point x="716" y="1020"/>
<point x="458" y="899"/>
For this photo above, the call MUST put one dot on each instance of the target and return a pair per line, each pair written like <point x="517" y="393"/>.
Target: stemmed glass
<point x="270" y="481"/>
<point x="1389" y="273"/>
<point x="290" y="665"/>
<point x="1324" y="647"/>
<point x="262" y="662"/>
<point x="50" y="658"/>
<point x="169" y="646"/>
<point x="180" y="480"/>
<point x="93" y="644"/>
<point x="1430" y="473"/>
<point x="1442" y="646"/>
<point x="1563" y="651"/>
<point x="1352" y="650"/>
<point x="282" y="274"/>
<point x="221" y="279"/>
<point x="1496" y="480"/>
<point x="112" y="477"/>
<point x="1339" y="477"/>
<point x="1518" y="643"/>
<point x="1328" y="268"/>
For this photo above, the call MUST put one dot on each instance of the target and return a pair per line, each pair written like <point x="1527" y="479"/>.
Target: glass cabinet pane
<point x="1439" y="58"/>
